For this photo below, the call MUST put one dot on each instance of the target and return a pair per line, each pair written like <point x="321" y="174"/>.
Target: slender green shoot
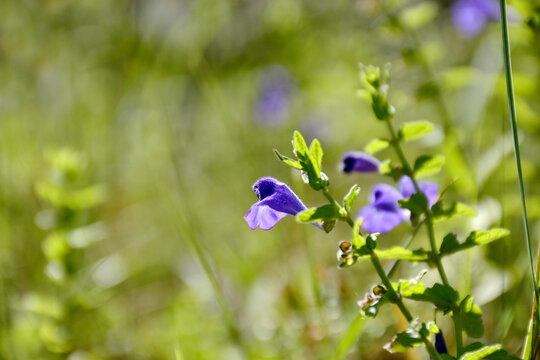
<point x="513" y="125"/>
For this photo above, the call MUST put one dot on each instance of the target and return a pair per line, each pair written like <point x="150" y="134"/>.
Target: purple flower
<point x="383" y="213"/>
<point x="440" y="344"/>
<point x="359" y="161"/>
<point x="406" y="187"/>
<point x="273" y="101"/>
<point x="471" y="16"/>
<point x="276" y="200"/>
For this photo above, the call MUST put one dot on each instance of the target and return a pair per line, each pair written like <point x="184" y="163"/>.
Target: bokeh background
<point x="131" y="132"/>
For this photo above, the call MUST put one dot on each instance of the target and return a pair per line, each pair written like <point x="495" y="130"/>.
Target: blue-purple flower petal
<point x="440" y="344"/>
<point x="383" y="212"/>
<point x="359" y="161"/>
<point x="379" y="220"/>
<point x="276" y="200"/>
<point x="273" y="100"/>
<point x="406" y="187"/>
<point x="471" y="16"/>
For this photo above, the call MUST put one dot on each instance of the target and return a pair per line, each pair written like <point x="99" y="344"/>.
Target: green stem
<point x="384" y="278"/>
<point x="347" y="218"/>
<point x="513" y="125"/>
<point x="399" y="302"/>
<point x="429" y="225"/>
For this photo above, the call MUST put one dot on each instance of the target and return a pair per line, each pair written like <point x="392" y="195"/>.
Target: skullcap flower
<point x="359" y="161"/>
<point x="471" y="16"/>
<point x="383" y="213"/>
<point x="276" y="200"/>
<point x="440" y="344"/>
<point x="273" y="100"/>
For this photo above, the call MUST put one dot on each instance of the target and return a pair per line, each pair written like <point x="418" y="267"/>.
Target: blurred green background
<point x="131" y="132"/>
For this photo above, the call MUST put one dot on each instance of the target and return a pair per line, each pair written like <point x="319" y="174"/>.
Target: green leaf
<point x="322" y="213"/>
<point x="471" y="318"/>
<point x="287" y="160"/>
<point x="482" y="237"/>
<point x="417" y="203"/>
<point x="411" y="337"/>
<point x="419" y="15"/>
<point x="310" y="162"/>
<point x="442" y="211"/>
<point x="414" y="129"/>
<point x="449" y="243"/>
<point x="349" y="338"/>
<point x="316" y="155"/>
<point x="442" y="296"/>
<point x="376" y="145"/>
<point x="299" y="144"/>
<point x="400" y="253"/>
<point x="475" y="238"/>
<point x="427" y="165"/>
<point x="481" y="353"/>
<point x="350" y="197"/>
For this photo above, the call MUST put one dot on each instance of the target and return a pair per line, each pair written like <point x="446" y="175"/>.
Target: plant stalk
<point x="515" y="138"/>
<point x="431" y="233"/>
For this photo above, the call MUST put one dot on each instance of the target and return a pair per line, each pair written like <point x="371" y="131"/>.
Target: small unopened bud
<point x="378" y="290"/>
<point x="345" y="246"/>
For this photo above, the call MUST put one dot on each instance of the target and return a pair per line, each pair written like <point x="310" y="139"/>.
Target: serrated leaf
<point x="481" y="353"/>
<point x="442" y="296"/>
<point x="350" y="197"/>
<point x="411" y="337"/>
<point x="376" y="145"/>
<point x="471" y="316"/>
<point x="316" y="155"/>
<point x="417" y="203"/>
<point x="449" y="243"/>
<point x="414" y="129"/>
<point x="475" y="238"/>
<point x="322" y="213"/>
<point x="442" y="211"/>
<point x="427" y="165"/>
<point x="287" y="160"/>
<point x="481" y="237"/>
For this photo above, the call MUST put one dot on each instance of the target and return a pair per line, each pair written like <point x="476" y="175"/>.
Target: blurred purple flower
<point x="359" y="161"/>
<point x="273" y="100"/>
<point x="406" y="187"/>
<point x="383" y="212"/>
<point x="471" y="16"/>
<point x="440" y="344"/>
<point x="276" y="200"/>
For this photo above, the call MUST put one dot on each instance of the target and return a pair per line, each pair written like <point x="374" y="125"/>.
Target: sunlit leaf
<point x="414" y="129"/>
<point x="427" y="165"/>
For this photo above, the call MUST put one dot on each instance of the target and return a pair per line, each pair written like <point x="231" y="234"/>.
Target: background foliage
<point x="131" y="132"/>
